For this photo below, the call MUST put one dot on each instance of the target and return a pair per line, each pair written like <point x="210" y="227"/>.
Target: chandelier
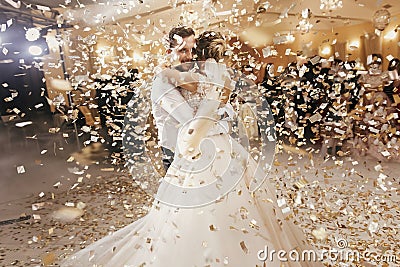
<point x="331" y="4"/>
<point x="381" y="19"/>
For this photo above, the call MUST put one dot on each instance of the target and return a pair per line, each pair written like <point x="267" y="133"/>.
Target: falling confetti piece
<point x="20" y="169"/>
<point x="378" y="167"/>
<point x="38" y="206"/>
<point x="76" y="170"/>
<point x="244" y="247"/>
<point x="286" y="210"/>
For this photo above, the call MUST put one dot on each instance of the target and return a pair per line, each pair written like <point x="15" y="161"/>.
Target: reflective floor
<point x="57" y="196"/>
<point x="37" y="158"/>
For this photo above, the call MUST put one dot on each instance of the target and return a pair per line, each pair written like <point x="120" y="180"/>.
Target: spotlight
<point x="326" y="51"/>
<point x="32" y="34"/>
<point x="35" y="50"/>
<point x="137" y="57"/>
<point x="390" y="35"/>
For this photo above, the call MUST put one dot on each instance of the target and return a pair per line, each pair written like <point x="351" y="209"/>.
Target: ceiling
<point x="152" y="18"/>
<point x="353" y="9"/>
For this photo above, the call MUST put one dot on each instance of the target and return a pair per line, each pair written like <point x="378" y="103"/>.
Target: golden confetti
<point x="243" y="247"/>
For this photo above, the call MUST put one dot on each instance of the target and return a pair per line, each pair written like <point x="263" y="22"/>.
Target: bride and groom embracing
<point x="204" y="213"/>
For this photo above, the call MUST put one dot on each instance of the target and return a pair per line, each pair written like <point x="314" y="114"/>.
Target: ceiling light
<point x="137" y="57"/>
<point x="35" y="50"/>
<point x="326" y="51"/>
<point x="32" y="34"/>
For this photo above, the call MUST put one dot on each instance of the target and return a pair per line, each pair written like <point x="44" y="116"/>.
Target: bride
<point x="205" y="212"/>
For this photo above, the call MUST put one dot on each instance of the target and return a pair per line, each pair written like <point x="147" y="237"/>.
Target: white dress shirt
<point x="171" y="111"/>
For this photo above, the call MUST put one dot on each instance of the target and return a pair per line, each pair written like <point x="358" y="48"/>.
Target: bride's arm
<point x="193" y="133"/>
<point x="185" y="80"/>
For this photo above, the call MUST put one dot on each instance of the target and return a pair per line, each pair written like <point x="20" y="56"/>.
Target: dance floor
<point x="58" y="206"/>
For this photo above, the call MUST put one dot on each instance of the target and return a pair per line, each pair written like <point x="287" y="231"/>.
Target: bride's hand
<point x="188" y="145"/>
<point x="192" y="133"/>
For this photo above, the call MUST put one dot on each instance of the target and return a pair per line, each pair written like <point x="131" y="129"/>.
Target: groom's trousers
<point x="168" y="157"/>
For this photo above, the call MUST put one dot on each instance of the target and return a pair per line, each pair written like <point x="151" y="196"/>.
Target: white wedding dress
<point x="204" y="215"/>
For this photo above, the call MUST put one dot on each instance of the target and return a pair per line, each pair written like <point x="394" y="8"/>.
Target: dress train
<point x="233" y="230"/>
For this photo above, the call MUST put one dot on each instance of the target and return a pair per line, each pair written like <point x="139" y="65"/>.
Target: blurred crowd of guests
<point x="340" y="107"/>
<point x="337" y="104"/>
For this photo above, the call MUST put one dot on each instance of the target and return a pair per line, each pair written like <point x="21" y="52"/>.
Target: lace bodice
<point x="193" y="98"/>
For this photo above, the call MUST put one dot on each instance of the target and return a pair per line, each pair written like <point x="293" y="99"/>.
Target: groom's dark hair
<point x="181" y="31"/>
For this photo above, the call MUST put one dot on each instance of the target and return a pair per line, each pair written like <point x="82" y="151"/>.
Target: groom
<point x="169" y="108"/>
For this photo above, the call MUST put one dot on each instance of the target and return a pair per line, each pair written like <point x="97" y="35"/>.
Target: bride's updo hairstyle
<point x="210" y="44"/>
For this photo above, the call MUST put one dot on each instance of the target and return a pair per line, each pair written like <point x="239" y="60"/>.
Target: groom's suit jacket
<point x="170" y="111"/>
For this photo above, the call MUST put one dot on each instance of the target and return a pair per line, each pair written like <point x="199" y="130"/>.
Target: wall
<point x="116" y="47"/>
<point x="349" y="36"/>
